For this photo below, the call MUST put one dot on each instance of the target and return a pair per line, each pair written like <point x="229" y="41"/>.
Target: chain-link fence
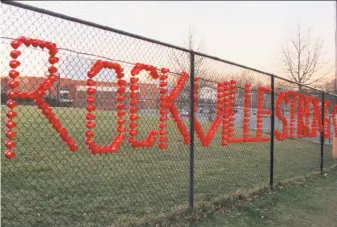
<point x="125" y="105"/>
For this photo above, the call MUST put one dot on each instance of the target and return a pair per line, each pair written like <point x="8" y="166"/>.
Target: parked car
<point x="184" y="112"/>
<point x="204" y="110"/>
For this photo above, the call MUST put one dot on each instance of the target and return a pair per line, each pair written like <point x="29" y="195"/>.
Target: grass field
<point x="310" y="203"/>
<point x="46" y="185"/>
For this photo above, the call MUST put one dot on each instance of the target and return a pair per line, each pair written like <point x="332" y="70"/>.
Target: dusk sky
<point x="248" y="33"/>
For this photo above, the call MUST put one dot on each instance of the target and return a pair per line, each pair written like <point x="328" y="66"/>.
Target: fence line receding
<point x="102" y="127"/>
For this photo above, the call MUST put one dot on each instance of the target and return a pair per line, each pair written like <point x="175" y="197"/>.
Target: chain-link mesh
<point x="47" y="185"/>
<point x="222" y="169"/>
<point x="294" y="156"/>
<point x="305" y="151"/>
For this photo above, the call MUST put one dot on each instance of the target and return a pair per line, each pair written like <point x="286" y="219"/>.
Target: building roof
<point x="101" y="88"/>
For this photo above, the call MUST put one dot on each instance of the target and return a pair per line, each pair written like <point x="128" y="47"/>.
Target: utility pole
<point x="335" y="47"/>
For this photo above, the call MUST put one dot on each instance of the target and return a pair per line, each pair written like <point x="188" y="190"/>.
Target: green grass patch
<point x="46" y="185"/>
<point x="308" y="203"/>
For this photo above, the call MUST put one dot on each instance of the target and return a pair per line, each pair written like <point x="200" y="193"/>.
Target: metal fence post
<point x="330" y="120"/>
<point x="191" y="183"/>
<point x="272" y="129"/>
<point x="322" y="133"/>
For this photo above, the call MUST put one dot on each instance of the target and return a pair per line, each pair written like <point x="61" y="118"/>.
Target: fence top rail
<point x="306" y="86"/>
<point x="121" y="32"/>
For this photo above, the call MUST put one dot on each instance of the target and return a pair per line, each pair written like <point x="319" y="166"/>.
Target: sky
<point x="248" y="33"/>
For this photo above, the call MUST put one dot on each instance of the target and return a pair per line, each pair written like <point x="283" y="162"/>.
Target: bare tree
<point x="303" y="60"/>
<point x="183" y="62"/>
<point x="330" y="86"/>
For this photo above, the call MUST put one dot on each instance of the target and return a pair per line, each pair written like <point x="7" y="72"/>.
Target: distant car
<point x="184" y="112"/>
<point x="204" y="110"/>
